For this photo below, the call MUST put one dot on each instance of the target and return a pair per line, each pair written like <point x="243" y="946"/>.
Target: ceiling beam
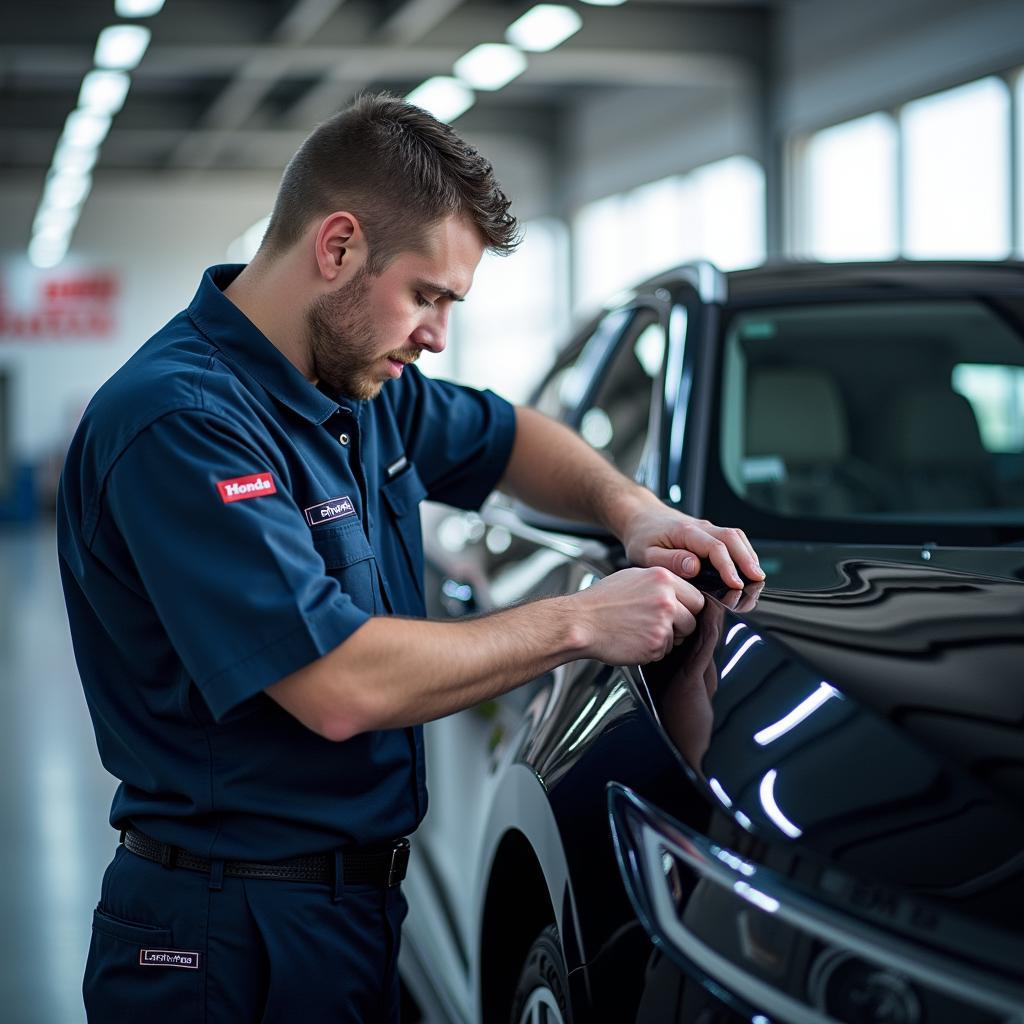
<point x="415" y="18"/>
<point x="253" y="82"/>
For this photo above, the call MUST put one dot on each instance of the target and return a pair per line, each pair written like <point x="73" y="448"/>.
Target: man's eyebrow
<point x="441" y="290"/>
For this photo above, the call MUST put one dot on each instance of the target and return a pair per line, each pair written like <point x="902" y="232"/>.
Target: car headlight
<point x="770" y="947"/>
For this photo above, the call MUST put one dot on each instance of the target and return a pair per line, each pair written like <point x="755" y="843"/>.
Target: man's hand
<point x="636" y="616"/>
<point x="659" y="535"/>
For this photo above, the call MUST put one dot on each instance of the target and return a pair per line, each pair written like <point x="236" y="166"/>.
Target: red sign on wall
<point x="68" y="306"/>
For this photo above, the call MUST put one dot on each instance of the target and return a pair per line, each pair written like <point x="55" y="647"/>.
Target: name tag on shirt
<point x="328" y="511"/>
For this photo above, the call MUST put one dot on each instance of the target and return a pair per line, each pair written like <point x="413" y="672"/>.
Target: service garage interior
<point x="142" y="141"/>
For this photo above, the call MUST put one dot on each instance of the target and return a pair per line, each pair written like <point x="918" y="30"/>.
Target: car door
<point x="480" y="562"/>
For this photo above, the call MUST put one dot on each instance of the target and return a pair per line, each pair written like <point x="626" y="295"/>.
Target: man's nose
<point x="432" y="337"/>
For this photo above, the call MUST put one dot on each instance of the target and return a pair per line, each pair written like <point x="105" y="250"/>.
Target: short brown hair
<point x="399" y="170"/>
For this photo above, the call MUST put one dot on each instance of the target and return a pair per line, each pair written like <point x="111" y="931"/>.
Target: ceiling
<point x="231" y="84"/>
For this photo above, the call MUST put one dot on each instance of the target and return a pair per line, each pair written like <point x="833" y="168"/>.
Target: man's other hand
<point x="661" y="536"/>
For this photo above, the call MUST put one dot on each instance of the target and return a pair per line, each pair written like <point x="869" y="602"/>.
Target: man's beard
<point x="343" y="343"/>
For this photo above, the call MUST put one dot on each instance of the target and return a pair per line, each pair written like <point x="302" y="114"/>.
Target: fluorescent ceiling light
<point x="47" y="252"/>
<point x="490" y="65"/>
<point x="604" y="3"/>
<point x="85" y="129"/>
<point x="103" y="92"/>
<point x="445" y="98"/>
<point x="74" y="159"/>
<point x="543" y="27"/>
<point x="65" y="191"/>
<point x="137" y="8"/>
<point x="55" y="235"/>
<point x="120" y="47"/>
<point x="51" y="221"/>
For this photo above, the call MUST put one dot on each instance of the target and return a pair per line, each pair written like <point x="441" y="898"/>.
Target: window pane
<point x="851" y="190"/>
<point x="996" y="394"/>
<point x="727" y="204"/>
<point x="601" y="263"/>
<point x="621" y="240"/>
<point x="935" y="432"/>
<point x="505" y="335"/>
<point x="716" y="212"/>
<point x="956" y="169"/>
<point x="616" y="423"/>
<point x="654" y="214"/>
<point x="1020" y="164"/>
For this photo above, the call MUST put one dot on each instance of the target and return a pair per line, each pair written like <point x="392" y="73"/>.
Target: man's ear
<point x="340" y="247"/>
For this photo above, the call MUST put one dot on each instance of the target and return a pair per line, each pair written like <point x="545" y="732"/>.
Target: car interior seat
<point x="797" y="445"/>
<point x="934" y="452"/>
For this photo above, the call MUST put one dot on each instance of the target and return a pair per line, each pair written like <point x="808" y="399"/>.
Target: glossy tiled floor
<point x="54" y="794"/>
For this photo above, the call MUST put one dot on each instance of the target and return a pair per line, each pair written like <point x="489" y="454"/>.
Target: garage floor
<point x="54" y="794"/>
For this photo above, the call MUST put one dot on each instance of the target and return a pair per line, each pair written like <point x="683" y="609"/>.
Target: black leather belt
<point x="361" y="865"/>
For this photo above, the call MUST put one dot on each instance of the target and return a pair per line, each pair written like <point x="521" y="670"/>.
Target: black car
<point x="813" y="809"/>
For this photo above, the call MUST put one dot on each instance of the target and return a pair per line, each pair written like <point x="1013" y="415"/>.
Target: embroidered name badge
<point x="326" y="511"/>
<point x="241" y="487"/>
<point x="168" y="958"/>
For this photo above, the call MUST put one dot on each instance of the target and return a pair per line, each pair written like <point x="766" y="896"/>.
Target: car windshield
<point x="897" y="412"/>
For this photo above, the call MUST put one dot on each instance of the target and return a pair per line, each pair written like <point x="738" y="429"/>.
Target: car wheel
<point x="542" y="995"/>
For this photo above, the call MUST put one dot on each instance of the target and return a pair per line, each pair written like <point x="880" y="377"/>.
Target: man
<point x="242" y="562"/>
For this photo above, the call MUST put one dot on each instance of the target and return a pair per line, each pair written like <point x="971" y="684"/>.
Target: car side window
<point x="615" y="422"/>
<point x="568" y="383"/>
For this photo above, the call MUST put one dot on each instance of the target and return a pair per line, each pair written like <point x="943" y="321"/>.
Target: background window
<point x="1019" y="184"/>
<point x="956" y="172"/>
<point x="725" y="213"/>
<point x="996" y="394"/>
<point x="850" y="195"/>
<point x="715" y="212"/>
<point x="506" y="333"/>
<point x="600" y="264"/>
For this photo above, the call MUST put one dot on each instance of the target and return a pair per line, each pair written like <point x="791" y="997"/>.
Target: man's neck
<point x="266" y="293"/>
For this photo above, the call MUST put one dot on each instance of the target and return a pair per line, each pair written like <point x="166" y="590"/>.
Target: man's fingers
<point x="689" y="603"/>
<point x="677" y="560"/>
<point x="726" y="548"/>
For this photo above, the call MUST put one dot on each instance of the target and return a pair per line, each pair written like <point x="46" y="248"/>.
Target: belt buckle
<point x="399" y="862"/>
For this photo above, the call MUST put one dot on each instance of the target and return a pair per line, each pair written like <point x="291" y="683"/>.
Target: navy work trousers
<point x="177" y="945"/>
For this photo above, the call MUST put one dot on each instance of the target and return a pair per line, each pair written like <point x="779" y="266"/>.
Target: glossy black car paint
<point x="906" y="786"/>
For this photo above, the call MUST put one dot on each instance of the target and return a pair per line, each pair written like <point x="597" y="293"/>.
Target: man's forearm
<point x="393" y="672"/>
<point x="553" y="469"/>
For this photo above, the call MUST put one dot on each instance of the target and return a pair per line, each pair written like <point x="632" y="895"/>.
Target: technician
<point x="242" y="562"/>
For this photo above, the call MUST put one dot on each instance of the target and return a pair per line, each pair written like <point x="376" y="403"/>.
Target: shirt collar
<point x="230" y="330"/>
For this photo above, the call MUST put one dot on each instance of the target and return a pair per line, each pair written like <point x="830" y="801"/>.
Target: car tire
<point x="542" y="995"/>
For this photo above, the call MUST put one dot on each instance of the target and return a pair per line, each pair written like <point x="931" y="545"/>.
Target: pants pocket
<point x="135" y="971"/>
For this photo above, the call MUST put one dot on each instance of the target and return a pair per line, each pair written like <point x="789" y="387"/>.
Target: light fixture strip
<point x="544" y="27"/>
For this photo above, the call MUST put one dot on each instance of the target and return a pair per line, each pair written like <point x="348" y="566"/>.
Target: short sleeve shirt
<point x="222" y="523"/>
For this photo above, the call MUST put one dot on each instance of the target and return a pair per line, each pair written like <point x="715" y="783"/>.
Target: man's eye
<point x="421" y="301"/>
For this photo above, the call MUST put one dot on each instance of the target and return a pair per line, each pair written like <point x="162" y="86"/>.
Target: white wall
<point x="156" y="235"/>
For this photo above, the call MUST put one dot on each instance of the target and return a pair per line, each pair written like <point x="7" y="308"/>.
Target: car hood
<point x="867" y="707"/>
<point x="935" y="647"/>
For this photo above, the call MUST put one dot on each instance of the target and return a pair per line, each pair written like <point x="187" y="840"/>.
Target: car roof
<point x="789" y="278"/>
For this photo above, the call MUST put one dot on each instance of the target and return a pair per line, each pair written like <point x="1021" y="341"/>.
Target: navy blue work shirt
<point x="223" y="523"/>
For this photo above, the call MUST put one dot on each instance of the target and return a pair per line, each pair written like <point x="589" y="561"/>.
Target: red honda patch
<point x="242" y="487"/>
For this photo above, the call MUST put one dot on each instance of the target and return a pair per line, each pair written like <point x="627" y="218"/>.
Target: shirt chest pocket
<point x="402" y="496"/>
<point x="349" y="558"/>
